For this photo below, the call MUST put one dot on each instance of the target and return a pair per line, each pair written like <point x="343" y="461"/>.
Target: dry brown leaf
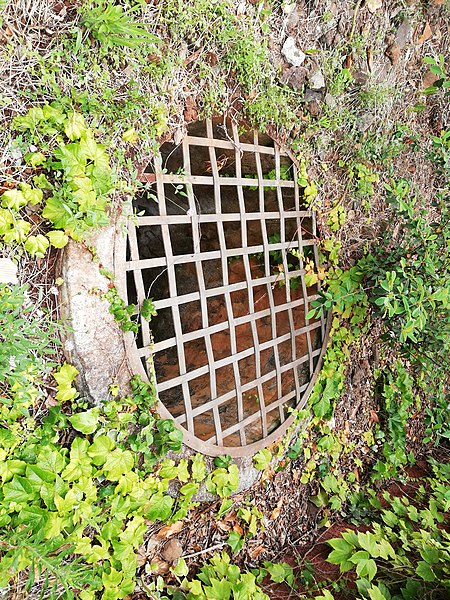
<point x="255" y="552"/>
<point x="426" y="34"/>
<point x="223" y="526"/>
<point x="429" y="78"/>
<point x="141" y="556"/>
<point x="172" y="550"/>
<point x="277" y="510"/>
<point x="393" y="53"/>
<point x="369" y="58"/>
<point x="374" y="417"/>
<point x="169" y="530"/>
<point x="160" y="567"/>
<point x="50" y="401"/>
<point x="238" y="529"/>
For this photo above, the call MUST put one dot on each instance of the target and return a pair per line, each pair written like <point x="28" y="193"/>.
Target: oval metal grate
<point x="220" y="242"/>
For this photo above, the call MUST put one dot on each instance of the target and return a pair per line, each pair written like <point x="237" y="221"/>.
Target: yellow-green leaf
<point x="58" y="239"/>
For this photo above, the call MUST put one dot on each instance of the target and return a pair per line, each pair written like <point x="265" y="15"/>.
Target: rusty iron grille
<point x="221" y="241"/>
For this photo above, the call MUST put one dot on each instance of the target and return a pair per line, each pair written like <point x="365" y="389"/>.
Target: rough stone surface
<point x="294" y="76"/>
<point x="292" y="54"/>
<point x="403" y="34"/>
<point x="312" y="96"/>
<point x="317" y="80"/>
<point x="330" y="101"/>
<point x="95" y="343"/>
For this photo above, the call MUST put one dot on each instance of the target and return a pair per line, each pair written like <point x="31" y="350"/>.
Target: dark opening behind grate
<point x="220" y="243"/>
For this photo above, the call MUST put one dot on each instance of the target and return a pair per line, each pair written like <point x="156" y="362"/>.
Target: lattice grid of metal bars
<point x="140" y="350"/>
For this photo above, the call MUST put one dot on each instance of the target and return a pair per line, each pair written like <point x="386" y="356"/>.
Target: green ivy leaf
<point x="425" y="571"/>
<point x="18" y="233"/>
<point x="6" y="220"/>
<point x="65" y="375"/>
<point x="35" y="159"/>
<point x="118" y="463"/>
<point x="262" y="459"/>
<point x="160" y="507"/>
<point x="75" y="126"/>
<point x="219" y="590"/>
<point x="148" y="309"/>
<point x="18" y="490"/>
<point x="86" y="422"/>
<point x="279" y="572"/>
<point x="375" y="593"/>
<point x="181" y="569"/>
<point x="198" y="468"/>
<point x="168" y="469"/>
<point x="189" y="489"/>
<point x="365" y="566"/>
<point x="32" y="195"/>
<point x="58" y="239"/>
<point x="51" y="459"/>
<point x="340" y="554"/>
<point x="235" y="541"/>
<point x="100" y="449"/>
<point x="73" y="159"/>
<point x="95" y="152"/>
<point x="13" y="199"/>
<point x="37" y="476"/>
<point x="57" y="213"/>
<point x="224" y="507"/>
<point x="37" y="245"/>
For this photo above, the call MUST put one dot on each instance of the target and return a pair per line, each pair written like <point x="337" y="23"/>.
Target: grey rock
<point x="95" y="345"/>
<point x="292" y="54"/>
<point x="312" y="96"/>
<point x="403" y="34"/>
<point x="365" y="122"/>
<point x="330" y="101"/>
<point x="295" y="77"/>
<point x="317" y="80"/>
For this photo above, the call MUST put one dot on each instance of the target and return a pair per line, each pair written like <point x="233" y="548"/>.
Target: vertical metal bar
<point x="224" y="262"/>
<point x="173" y="289"/>
<point x="202" y="288"/>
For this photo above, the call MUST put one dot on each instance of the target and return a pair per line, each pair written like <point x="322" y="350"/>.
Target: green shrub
<point x="28" y="337"/>
<point x="406" y="554"/>
<point x="110" y="25"/>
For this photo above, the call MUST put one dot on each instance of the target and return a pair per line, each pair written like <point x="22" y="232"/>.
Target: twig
<point x="355" y="15"/>
<point x="216" y="547"/>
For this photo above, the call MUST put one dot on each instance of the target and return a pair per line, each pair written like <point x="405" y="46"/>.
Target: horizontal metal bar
<point x="208" y="142"/>
<point x="214" y="218"/>
<point x="227" y="181"/>
<point x="150" y="263"/>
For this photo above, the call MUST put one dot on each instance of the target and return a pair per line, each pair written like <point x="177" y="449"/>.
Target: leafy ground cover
<point x="89" y="505"/>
